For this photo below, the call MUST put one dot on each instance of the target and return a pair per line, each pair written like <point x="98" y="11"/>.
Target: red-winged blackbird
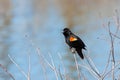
<point x="74" y="42"/>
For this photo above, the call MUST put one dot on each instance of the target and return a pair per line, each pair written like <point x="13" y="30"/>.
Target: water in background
<point x="32" y="27"/>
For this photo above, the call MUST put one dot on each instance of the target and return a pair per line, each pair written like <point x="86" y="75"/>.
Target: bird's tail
<point x="79" y="51"/>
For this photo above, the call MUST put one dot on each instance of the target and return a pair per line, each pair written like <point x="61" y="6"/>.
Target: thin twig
<point x="115" y="36"/>
<point x="4" y="68"/>
<point x="52" y="66"/>
<point x="112" y="51"/>
<point x="29" y="66"/>
<point x="60" y="74"/>
<point x="90" y="70"/>
<point x="111" y="70"/>
<point x="40" y="56"/>
<point x="77" y="66"/>
<point x="56" y="74"/>
<point x="20" y="69"/>
<point x="118" y="21"/>
<point x="43" y="59"/>
<point x="107" y="64"/>
<point x="62" y="64"/>
<point x="92" y="65"/>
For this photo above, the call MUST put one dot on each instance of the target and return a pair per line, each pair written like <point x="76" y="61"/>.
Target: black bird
<point x="74" y="42"/>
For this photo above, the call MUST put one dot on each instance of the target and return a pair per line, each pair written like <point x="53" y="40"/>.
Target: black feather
<point x="79" y="51"/>
<point x="77" y="44"/>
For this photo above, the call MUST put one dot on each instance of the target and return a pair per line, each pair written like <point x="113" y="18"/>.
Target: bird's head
<point x="66" y="32"/>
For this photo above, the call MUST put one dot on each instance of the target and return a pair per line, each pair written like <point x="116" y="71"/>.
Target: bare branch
<point x="29" y="66"/>
<point x="56" y="74"/>
<point x="115" y="36"/>
<point x="111" y="70"/>
<point x="77" y="66"/>
<point x="62" y="63"/>
<point x="118" y="21"/>
<point x="20" y="69"/>
<point x="90" y="70"/>
<point x="41" y="57"/>
<point x="4" y="68"/>
<point x="107" y="64"/>
<point x="112" y="51"/>
<point x="92" y="65"/>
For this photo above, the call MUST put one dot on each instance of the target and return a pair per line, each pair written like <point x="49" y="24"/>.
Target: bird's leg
<point x="73" y="50"/>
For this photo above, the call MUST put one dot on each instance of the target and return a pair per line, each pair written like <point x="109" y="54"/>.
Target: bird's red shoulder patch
<point x="72" y="39"/>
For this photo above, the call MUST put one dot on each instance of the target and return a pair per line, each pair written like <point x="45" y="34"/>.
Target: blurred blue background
<point x="26" y="25"/>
